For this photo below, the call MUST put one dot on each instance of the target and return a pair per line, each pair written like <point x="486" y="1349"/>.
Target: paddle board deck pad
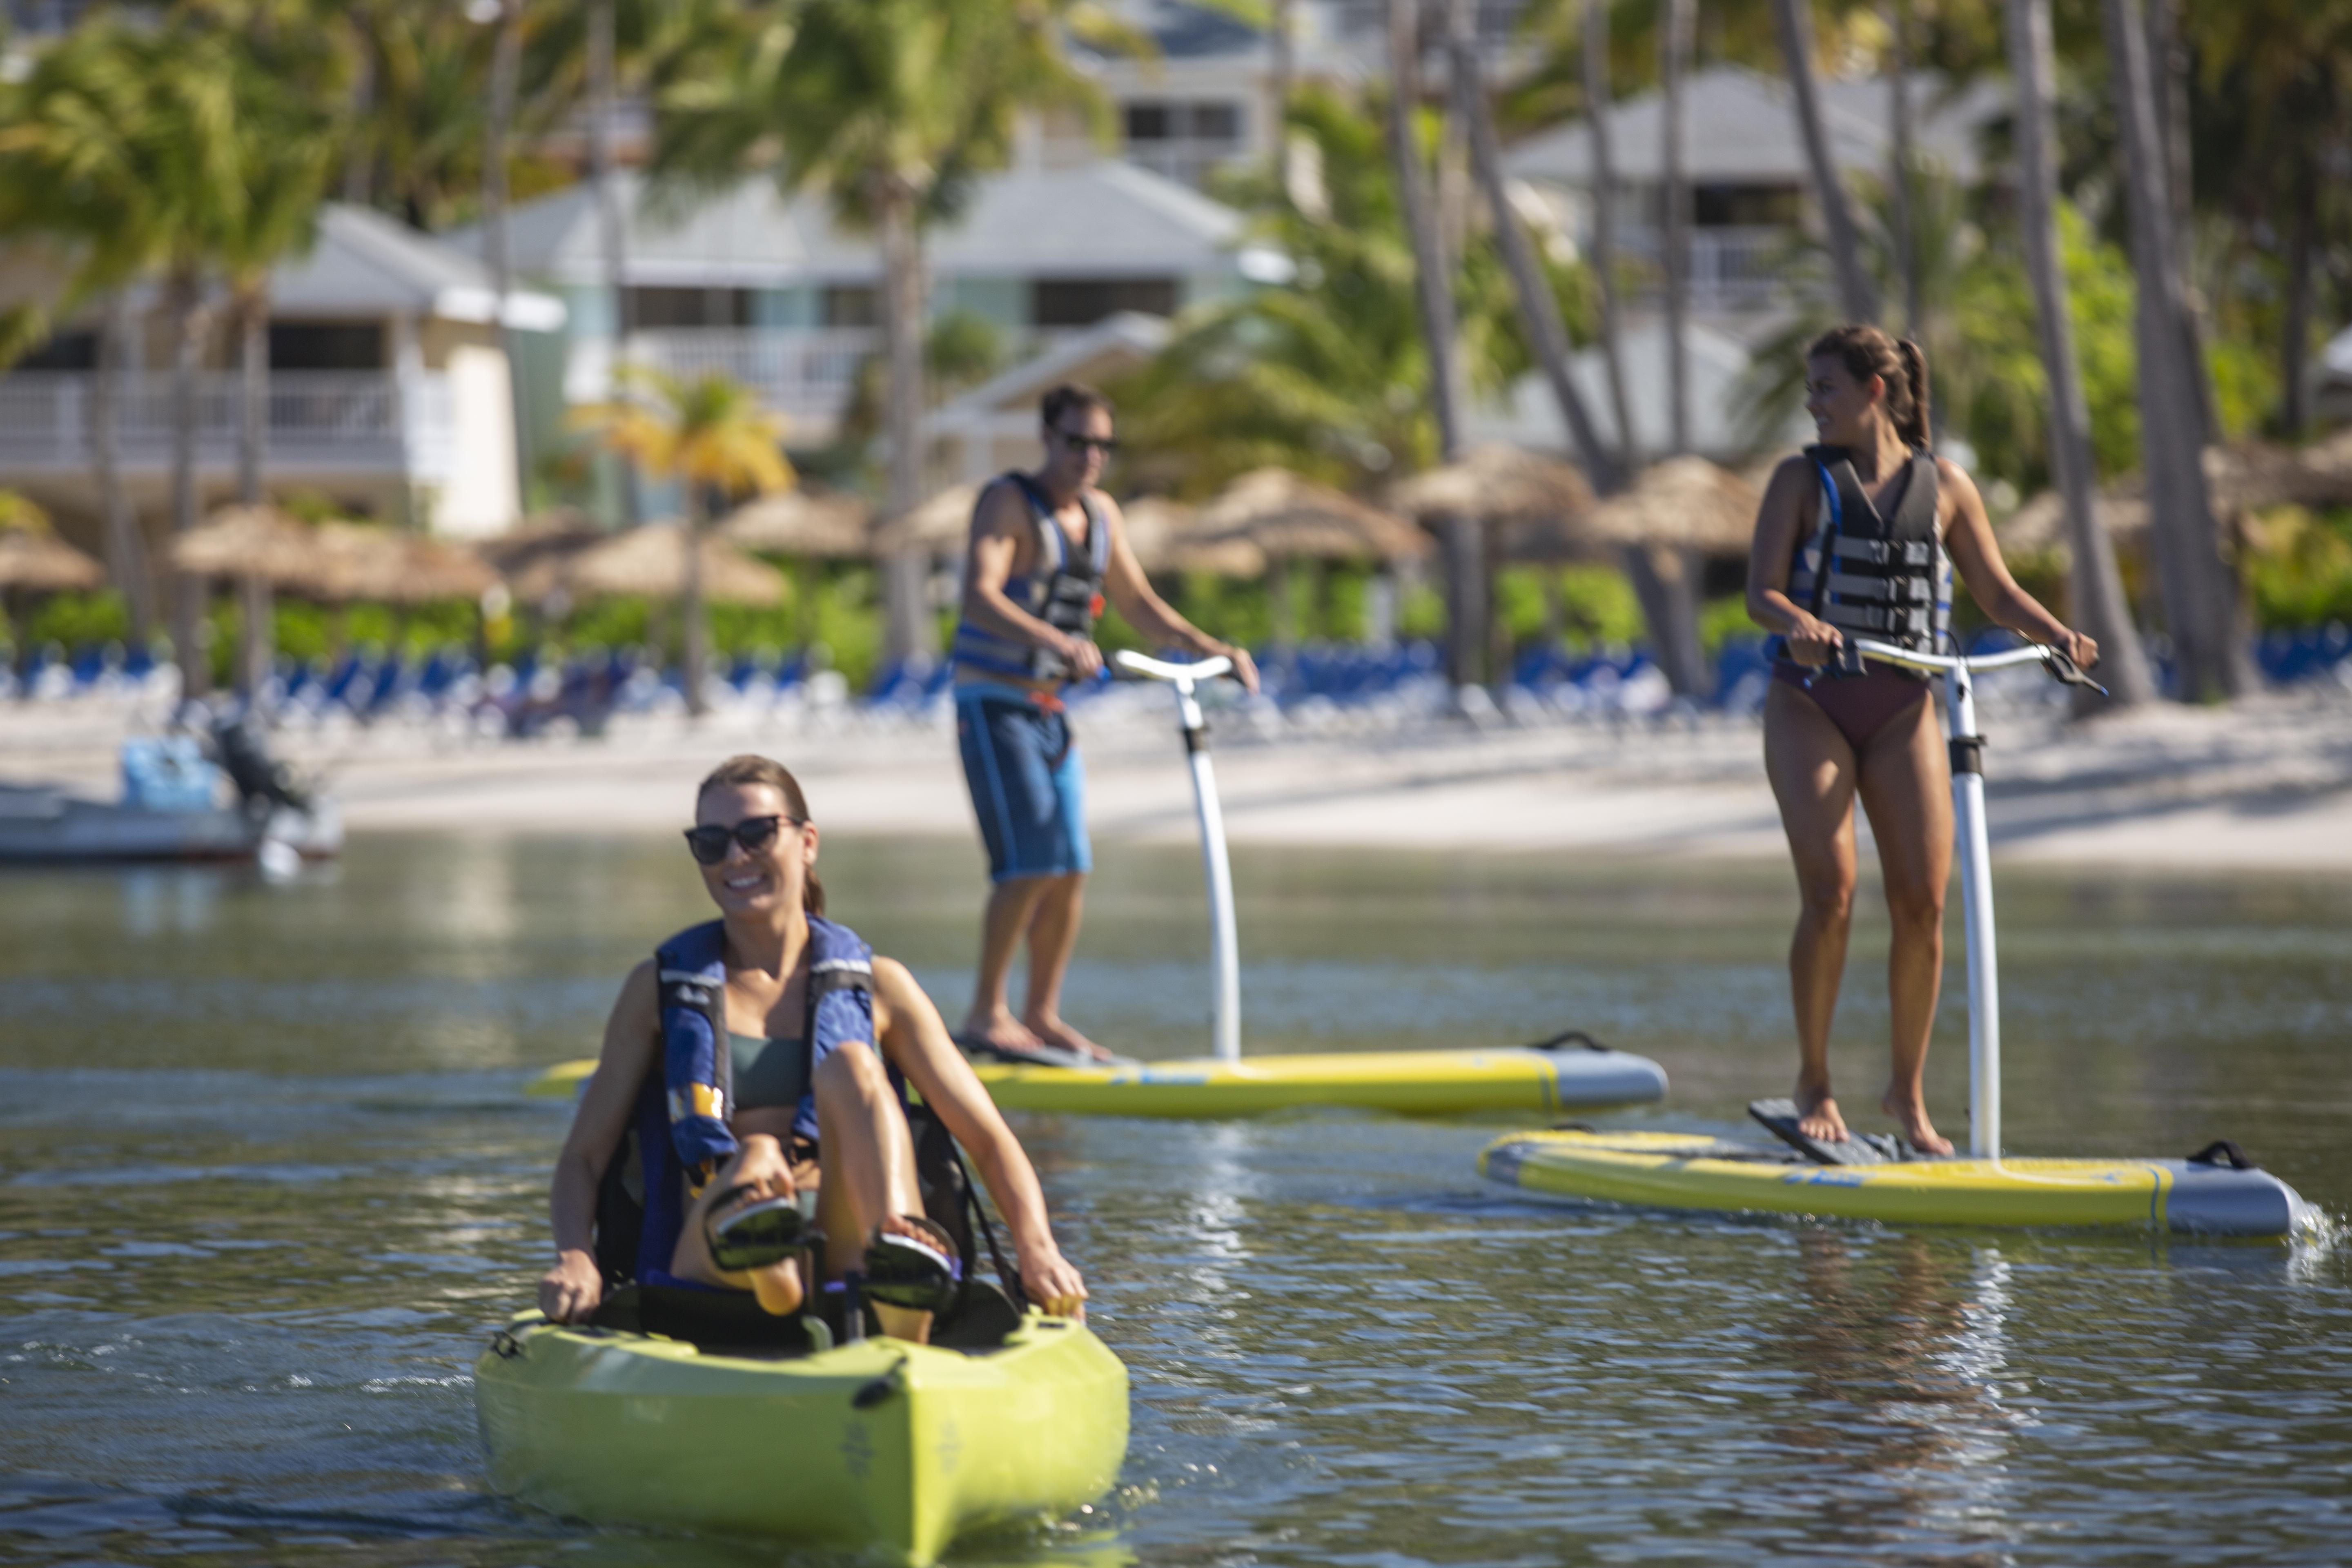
<point x="1412" y="1083"/>
<point x="2209" y="1194"/>
<point x="880" y="1447"/>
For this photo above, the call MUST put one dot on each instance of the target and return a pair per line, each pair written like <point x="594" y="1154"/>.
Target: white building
<point x="388" y="391"/>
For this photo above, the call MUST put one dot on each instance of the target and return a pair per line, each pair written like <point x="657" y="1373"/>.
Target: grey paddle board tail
<point x="2220" y="1192"/>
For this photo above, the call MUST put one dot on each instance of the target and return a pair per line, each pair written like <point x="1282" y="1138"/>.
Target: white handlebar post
<point x="1226" y="1027"/>
<point x="1976" y="871"/>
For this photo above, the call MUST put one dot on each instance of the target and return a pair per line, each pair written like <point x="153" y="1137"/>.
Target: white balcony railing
<point x="805" y="373"/>
<point x="341" y="420"/>
<point x="1731" y="269"/>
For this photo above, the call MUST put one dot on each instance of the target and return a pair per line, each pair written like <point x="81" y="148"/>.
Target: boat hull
<point x="1412" y="1083"/>
<point x="1672" y="1170"/>
<point x="880" y="1445"/>
<point x="47" y="827"/>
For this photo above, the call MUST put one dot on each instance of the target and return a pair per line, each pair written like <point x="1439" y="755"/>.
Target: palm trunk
<point x="1604" y="226"/>
<point x="1856" y="298"/>
<point x="506" y="70"/>
<point x="1676" y="227"/>
<point x="1896" y="15"/>
<point x="186" y="315"/>
<point x="2094" y="588"/>
<point x="256" y="628"/>
<point x="694" y="616"/>
<point x="2201" y="591"/>
<point x="906" y="574"/>
<point x="1466" y="573"/>
<point x="126" y="553"/>
<point x="1281" y="67"/>
<point x="2168" y="68"/>
<point x="2302" y="254"/>
<point x="611" y="233"/>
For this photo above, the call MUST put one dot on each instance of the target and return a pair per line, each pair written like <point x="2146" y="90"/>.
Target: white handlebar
<point x="2032" y="653"/>
<point x="1137" y="664"/>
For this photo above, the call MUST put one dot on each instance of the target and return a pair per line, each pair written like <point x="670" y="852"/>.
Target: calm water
<point x="266" y="1177"/>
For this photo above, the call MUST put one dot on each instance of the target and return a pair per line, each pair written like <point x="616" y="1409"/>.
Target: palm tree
<point x="2200" y="590"/>
<point x="1855" y="295"/>
<point x="1675" y="49"/>
<point x="1604" y="224"/>
<point x="1896" y="15"/>
<point x="713" y="437"/>
<point x="2095" y="588"/>
<point x="505" y="73"/>
<point x="889" y="106"/>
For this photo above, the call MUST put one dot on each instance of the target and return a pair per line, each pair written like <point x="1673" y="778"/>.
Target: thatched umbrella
<point x="1687" y="503"/>
<point x="940" y="525"/>
<point x="1533" y="505"/>
<point x="535" y="558"/>
<point x="2041" y="524"/>
<point x="394" y="567"/>
<point x="35" y="561"/>
<point x="831" y="526"/>
<point x="1166" y="536"/>
<point x="265" y="550"/>
<point x="651" y="561"/>
<point x="1290" y="517"/>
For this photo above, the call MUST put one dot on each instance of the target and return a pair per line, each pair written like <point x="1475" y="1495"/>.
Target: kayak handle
<point x="1567" y="1037"/>
<point x="1142" y="668"/>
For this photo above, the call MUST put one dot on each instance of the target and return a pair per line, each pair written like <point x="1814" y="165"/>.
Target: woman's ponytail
<point x="1914" y="430"/>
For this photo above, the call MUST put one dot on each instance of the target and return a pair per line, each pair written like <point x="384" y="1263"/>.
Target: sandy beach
<point x="2266" y="785"/>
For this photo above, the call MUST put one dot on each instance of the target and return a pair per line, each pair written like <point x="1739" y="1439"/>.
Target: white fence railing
<point x="1731" y="269"/>
<point x="805" y="373"/>
<point x="344" y="419"/>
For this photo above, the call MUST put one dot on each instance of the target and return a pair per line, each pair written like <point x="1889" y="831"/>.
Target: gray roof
<point x="1531" y="416"/>
<point x="367" y="264"/>
<point x="1741" y="127"/>
<point x="1101" y="219"/>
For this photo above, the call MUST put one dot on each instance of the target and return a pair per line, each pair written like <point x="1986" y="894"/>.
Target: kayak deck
<point x="1673" y="1170"/>
<point x="881" y="1445"/>
<point x="1412" y="1083"/>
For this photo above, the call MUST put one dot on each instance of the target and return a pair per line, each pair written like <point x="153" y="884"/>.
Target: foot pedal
<point x="1778" y="1117"/>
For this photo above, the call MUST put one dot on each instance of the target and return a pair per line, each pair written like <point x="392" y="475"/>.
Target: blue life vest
<point x="681" y="1114"/>
<point x="1065" y="591"/>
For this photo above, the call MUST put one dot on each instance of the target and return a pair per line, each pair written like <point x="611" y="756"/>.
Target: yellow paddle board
<point x="1676" y="1169"/>
<point x="1411" y="1083"/>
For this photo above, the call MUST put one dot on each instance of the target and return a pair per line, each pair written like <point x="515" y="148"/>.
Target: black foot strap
<point x="1778" y="1117"/>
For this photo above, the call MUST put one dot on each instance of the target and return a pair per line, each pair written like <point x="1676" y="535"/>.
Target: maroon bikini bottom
<point x="1859" y="705"/>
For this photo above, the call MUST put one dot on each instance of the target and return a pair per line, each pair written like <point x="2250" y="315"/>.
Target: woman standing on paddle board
<point x="764" y="1054"/>
<point x="1858" y="537"/>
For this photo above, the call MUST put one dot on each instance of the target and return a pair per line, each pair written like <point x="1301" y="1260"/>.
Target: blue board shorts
<point x="1028" y="786"/>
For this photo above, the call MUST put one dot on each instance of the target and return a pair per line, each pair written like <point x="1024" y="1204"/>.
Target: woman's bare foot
<point x="1050" y="1028"/>
<point x="1910" y="1111"/>
<point x="1816" y="1113"/>
<point x="1000" y="1030"/>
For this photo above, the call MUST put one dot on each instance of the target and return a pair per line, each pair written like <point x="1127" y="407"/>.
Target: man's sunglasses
<point x="708" y="843"/>
<point x="1105" y="444"/>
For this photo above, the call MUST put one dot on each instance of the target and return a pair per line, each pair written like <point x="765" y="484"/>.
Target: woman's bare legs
<point x="1812" y="771"/>
<point x="759" y="1164"/>
<point x="869" y="1171"/>
<point x="1906" y="789"/>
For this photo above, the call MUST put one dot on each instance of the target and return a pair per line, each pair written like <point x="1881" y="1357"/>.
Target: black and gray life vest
<point x="1065" y="591"/>
<point x="1887" y="578"/>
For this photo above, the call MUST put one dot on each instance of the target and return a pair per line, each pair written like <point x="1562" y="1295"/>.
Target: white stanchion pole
<point x="1976" y="890"/>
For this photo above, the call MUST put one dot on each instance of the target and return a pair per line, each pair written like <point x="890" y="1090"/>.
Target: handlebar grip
<point x="2065" y="669"/>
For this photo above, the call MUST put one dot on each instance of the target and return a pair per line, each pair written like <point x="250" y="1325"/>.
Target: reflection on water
<point x="266" y="1177"/>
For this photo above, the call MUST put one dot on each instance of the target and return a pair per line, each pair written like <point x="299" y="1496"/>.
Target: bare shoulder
<point x="640" y="989"/>
<point x="1001" y="509"/>
<point x="1956" y="488"/>
<point x="1108" y="508"/>
<point x="1789" y="490"/>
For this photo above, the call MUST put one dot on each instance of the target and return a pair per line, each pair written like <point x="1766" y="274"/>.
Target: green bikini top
<point x="766" y="1073"/>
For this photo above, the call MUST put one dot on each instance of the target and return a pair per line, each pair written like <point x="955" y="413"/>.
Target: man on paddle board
<point x="1047" y="549"/>
<point x="1858" y="537"/>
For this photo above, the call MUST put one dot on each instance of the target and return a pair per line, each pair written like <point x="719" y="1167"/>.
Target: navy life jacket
<point x="1886" y="578"/>
<point x="1065" y="591"/>
<point x="681" y="1122"/>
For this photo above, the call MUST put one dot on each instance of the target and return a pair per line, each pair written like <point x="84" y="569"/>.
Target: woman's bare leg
<point x="1906" y="787"/>
<point x="760" y="1163"/>
<point x="869" y="1171"/>
<point x="1812" y="773"/>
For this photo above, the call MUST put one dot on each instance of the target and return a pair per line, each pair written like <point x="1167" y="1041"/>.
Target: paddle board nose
<point x="2215" y="1200"/>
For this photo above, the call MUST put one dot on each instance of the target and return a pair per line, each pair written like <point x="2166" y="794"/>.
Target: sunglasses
<point x="708" y="843"/>
<point x="1105" y="444"/>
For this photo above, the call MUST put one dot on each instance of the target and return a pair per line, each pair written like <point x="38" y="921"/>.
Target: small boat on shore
<point x="177" y="803"/>
<point x="876" y="1446"/>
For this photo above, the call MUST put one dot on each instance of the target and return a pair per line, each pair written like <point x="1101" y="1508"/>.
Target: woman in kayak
<point x="780" y="1049"/>
<point x="1857" y="538"/>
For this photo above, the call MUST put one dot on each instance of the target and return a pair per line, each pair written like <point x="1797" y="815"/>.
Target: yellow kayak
<point x="878" y="1446"/>
<point x="1676" y="1169"/>
<point x="1411" y="1083"/>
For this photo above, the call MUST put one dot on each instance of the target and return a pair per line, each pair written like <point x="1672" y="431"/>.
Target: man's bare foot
<point x="1911" y="1113"/>
<point x="1000" y="1030"/>
<point x="1050" y="1028"/>
<point x="1816" y="1113"/>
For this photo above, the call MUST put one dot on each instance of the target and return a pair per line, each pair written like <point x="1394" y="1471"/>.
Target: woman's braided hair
<point x="1899" y="364"/>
